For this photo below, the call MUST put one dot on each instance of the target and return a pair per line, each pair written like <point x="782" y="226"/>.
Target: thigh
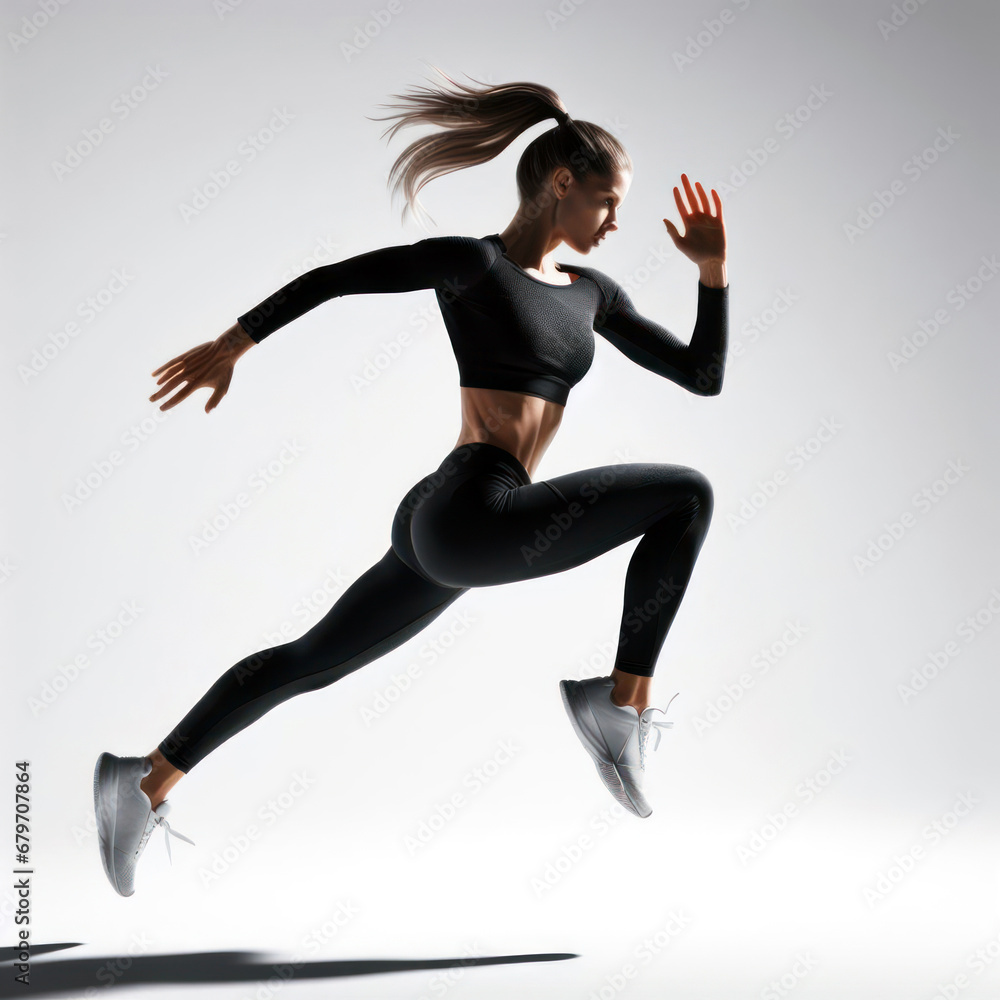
<point x="384" y="607"/>
<point x="486" y="532"/>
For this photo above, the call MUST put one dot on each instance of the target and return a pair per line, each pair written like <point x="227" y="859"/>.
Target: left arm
<point x="699" y="365"/>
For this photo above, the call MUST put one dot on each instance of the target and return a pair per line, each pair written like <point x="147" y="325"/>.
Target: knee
<point x="264" y="661"/>
<point x="287" y="660"/>
<point x="702" y="494"/>
<point x="302" y="662"/>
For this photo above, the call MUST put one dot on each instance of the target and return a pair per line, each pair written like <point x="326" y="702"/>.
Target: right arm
<point x="448" y="263"/>
<point x="208" y="365"/>
<point x="443" y="262"/>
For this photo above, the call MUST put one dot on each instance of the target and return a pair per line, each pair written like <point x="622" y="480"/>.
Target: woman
<point x="522" y="329"/>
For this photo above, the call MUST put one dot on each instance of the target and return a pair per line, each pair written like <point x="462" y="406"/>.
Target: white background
<point x="794" y="178"/>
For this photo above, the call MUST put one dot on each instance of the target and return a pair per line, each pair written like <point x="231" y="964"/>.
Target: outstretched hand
<point x="704" y="236"/>
<point x="208" y="365"/>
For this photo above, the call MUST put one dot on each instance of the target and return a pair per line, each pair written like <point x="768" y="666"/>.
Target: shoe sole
<point x="107" y="775"/>
<point x="575" y="700"/>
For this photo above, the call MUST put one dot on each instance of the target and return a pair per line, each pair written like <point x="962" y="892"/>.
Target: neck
<point x="530" y="244"/>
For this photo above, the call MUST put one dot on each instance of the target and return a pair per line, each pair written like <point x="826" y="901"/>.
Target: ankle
<point x="154" y="794"/>
<point x="635" y="703"/>
<point x="157" y="784"/>
<point x="630" y="690"/>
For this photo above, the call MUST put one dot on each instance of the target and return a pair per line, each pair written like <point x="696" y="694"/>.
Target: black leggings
<point x="477" y="521"/>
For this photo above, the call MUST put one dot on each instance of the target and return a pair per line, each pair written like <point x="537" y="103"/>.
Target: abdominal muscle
<point x="521" y="424"/>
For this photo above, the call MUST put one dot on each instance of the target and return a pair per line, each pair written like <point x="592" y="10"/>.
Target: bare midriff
<point x="521" y="424"/>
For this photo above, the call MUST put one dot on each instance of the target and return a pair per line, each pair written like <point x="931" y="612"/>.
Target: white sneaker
<point x="615" y="736"/>
<point x="125" y="817"/>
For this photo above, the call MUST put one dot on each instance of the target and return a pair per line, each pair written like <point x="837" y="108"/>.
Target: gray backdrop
<point x="825" y="815"/>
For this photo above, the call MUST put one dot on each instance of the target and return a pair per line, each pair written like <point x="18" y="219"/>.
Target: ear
<point x="562" y="181"/>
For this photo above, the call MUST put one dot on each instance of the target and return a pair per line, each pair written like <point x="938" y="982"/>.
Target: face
<point x="588" y="210"/>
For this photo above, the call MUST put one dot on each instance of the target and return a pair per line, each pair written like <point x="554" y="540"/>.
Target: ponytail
<point x="481" y="122"/>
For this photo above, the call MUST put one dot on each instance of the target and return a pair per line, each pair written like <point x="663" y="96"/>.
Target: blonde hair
<point x="481" y="122"/>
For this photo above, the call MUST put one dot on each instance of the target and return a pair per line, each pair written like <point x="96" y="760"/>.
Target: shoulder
<point x="463" y="252"/>
<point x="611" y="291"/>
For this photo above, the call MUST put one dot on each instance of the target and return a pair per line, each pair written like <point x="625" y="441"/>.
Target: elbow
<point x="712" y="390"/>
<point x="715" y="388"/>
<point x="707" y="382"/>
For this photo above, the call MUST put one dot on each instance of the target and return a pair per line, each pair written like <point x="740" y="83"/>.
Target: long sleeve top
<point x="509" y="329"/>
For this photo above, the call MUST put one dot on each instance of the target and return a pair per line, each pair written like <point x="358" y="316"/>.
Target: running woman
<point x="522" y="328"/>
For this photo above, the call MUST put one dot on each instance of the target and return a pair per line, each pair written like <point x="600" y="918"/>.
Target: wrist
<point x="712" y="273"/>
<point x="235" y="341"/>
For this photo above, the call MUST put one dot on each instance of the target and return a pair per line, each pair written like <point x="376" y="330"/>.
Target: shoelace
<point x="154" y="821"/>
<point x="647" y="726"/>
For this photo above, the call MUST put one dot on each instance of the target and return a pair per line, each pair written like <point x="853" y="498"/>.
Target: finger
<point x="169" y="364"/>
<point x="221" y="388"/>
<point x="703" y="198"/>
<point x="170" y="372"/>
<point x="172" y="384"/>
<point x="691" y="196"/>
<point x="167" y="389"/>
<point x="181" y="357"/>
<point x="193" y="369"/>
<point x="214" y="399"/>
<point x="182" y="395"/>
<point x="718" y="204"/>
<point x="168" y="404"/>
<point x="681" y="207"/>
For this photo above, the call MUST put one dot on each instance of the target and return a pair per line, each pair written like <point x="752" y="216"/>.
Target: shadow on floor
<point x="77" y="975"/>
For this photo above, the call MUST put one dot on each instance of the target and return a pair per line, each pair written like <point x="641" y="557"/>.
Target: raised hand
<point x="704" y="236"/>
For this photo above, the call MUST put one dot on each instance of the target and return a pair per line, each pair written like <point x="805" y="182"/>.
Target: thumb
<point x="213" y="401"/>
<point x="672" y="230"/>
<point x="221" y="388"/>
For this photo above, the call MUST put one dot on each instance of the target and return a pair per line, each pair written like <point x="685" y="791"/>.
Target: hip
<point x="473" y="482"/>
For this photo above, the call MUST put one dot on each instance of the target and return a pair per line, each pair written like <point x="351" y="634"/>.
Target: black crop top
<point x="508" y="329"/>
